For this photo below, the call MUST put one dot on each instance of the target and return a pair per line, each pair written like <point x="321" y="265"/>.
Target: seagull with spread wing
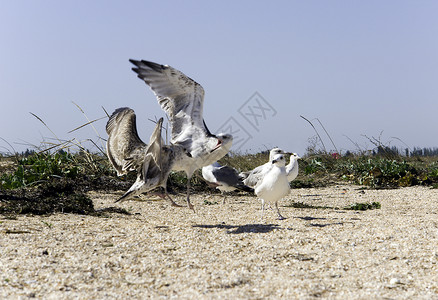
<point x="127" y="152"/>
<point x="182" y="99"/>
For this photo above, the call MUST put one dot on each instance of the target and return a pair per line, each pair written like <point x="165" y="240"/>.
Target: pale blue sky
<point x="361" y="67"/>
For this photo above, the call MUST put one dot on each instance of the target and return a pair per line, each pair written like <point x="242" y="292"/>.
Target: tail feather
<point x="125" y="196"/>
<point x="133" y="190"/>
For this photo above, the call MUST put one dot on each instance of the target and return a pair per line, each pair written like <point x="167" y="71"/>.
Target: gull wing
<point x="255" y="176"/>
<point x="226" y="175"/>
<point x="179" y="96"/>
<point x="229" y="176"/>
<point x="153" y="164"/>
<point x="125" y="149"/>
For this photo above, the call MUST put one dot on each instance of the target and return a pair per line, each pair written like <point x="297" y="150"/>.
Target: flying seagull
<point x="251" y="178"/>
<point x="292" y="167"/>
<point x="127" y="152"/>
<point x="274" y="185"/>
<point x="182" y="99"/>
<point x="224" y="178"/>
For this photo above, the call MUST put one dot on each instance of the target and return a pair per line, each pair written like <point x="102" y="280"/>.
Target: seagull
<point x="292" y="167"/>
<point x="127" y="152"/>
<point x="182" y="99"/>
<point x="251" y="178"/>
<point x="274" y="184"/>
<point x="224" y="178"/>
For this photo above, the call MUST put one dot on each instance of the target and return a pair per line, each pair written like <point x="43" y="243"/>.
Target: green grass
<point x="372" y="171"/>
<point x="40" y="167"/>
<point x="206" y="202"/>
<point x="319" y="170"/>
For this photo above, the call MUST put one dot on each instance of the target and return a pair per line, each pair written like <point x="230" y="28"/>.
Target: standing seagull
<point x="274" y="184"/>
<point x="224" y="178"/>
<point x="127" y="152"/>
<point x="182" y="99"/>
<point x="292" y="167"/>
<point x="251" y="178"/>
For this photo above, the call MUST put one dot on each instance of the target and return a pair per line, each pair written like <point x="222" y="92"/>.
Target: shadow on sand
<point x="322" y="220"/>
<point x="236" y="229"/>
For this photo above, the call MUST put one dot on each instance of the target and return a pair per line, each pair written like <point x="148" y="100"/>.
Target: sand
<point x="227" y="251"/>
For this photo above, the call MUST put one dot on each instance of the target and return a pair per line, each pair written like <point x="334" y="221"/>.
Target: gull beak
<point x="219" y="144"/>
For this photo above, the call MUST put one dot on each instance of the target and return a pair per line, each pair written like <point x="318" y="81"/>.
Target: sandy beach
<point x="225" y="251"/>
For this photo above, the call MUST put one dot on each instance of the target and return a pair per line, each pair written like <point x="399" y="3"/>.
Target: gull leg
<point x="188" y="195"/>
<point x="280" y="217"/>
<point x="166" y="195"/>
<point x="263" y="208"/>
<point x="225" y="197"/>
<point x="172" y="202"/>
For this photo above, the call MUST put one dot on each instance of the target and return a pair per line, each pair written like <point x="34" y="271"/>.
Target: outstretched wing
<point x="179" y="96"/>
<point x="125" y="149"/>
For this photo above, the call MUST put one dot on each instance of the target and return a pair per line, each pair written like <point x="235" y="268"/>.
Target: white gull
<point x="251" y="178"/>
<point x="292" y="167"/>
<point x="274" y="184"/>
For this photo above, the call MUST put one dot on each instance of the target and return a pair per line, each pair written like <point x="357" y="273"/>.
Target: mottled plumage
<point x="125" y="149"/>
<point x="127" y="152"/>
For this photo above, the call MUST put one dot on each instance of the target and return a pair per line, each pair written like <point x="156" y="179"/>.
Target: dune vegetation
<point x="34" y="182"/>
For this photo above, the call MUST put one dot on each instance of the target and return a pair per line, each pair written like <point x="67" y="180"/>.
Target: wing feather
<point x="179" y="96"/>
<point x="227" y="175"/>
<point x="125" y="149"/>
<point x="255" y="176"/>
<point x="152" y="167"/>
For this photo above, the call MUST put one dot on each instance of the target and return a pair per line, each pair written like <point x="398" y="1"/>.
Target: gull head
<point x="222" y="144"/>
<point x="224" y="141"/>
<point x="274" y="152"/>
<point x="294" y="156"/>
<point x="278" y="160"/>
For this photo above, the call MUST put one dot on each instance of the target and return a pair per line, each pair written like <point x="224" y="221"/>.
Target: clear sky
<point x="360" y="67"/>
